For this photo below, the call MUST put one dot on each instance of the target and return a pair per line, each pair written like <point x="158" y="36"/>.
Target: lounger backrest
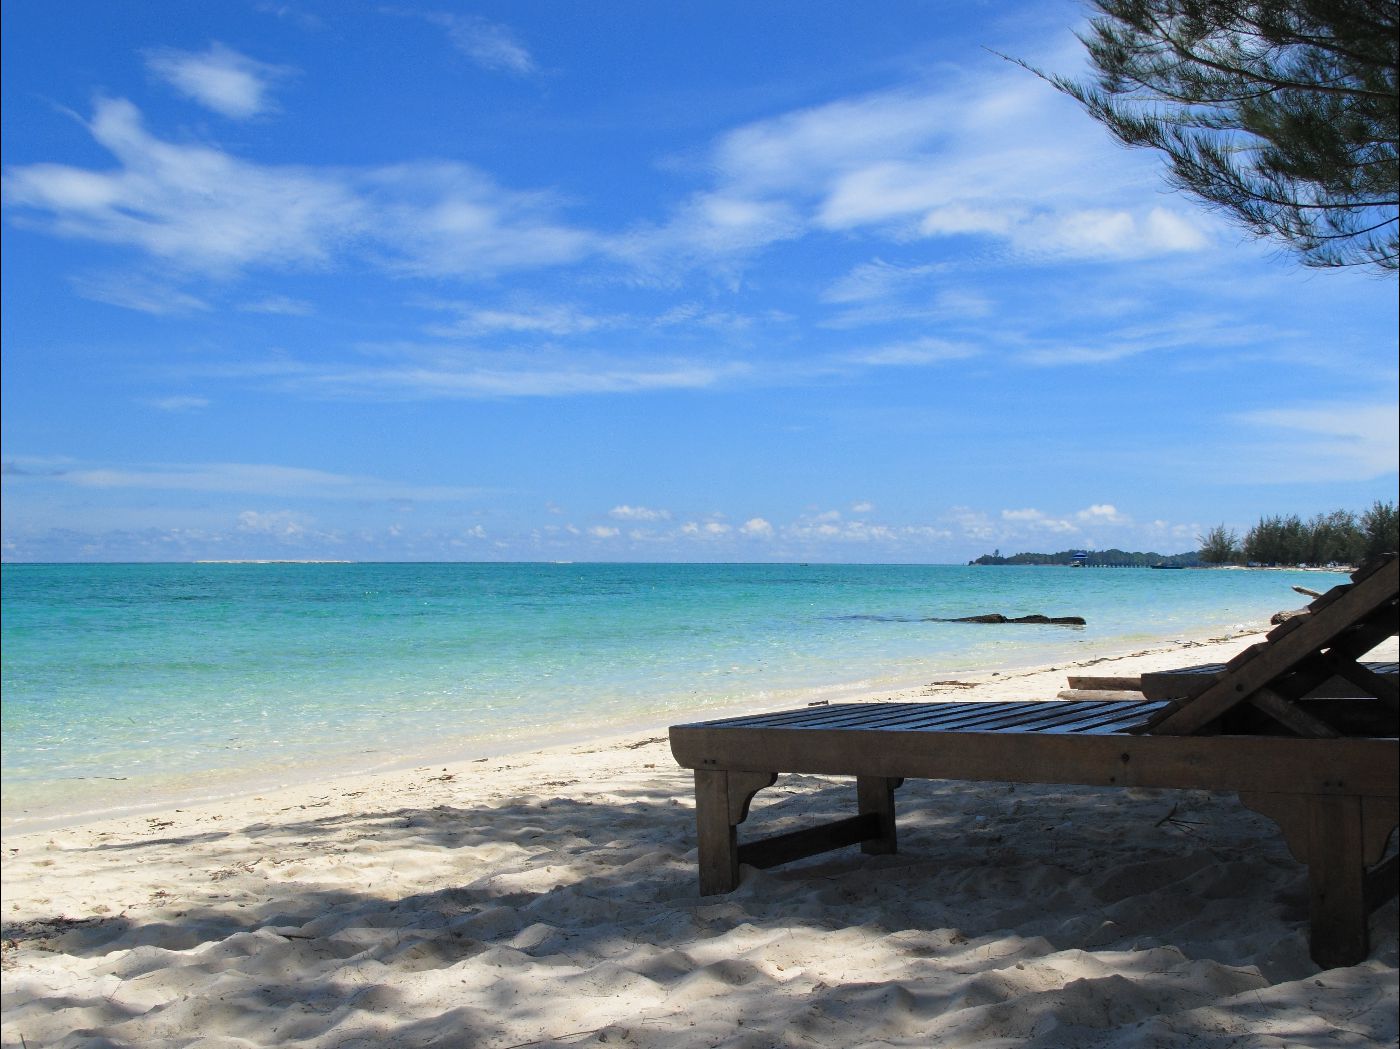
<point x="1341" y="626"/>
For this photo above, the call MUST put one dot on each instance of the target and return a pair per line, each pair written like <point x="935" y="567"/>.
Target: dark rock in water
<point x="997" y="617"/>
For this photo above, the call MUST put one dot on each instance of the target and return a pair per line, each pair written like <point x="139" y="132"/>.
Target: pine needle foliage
<point x="1282" y="114"/>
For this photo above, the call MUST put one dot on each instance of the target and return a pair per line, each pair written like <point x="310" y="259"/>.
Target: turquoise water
<point x="124" y="682"/>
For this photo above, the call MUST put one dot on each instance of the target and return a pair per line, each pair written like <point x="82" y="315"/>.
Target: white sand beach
<point x="550" y="899"/>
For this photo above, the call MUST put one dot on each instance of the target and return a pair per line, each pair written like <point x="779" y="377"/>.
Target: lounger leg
<point x="1337" y="877"/>
<point x="875" y="796"/>
<point x="721" y="804"/>
<point x="1329" y="834"/>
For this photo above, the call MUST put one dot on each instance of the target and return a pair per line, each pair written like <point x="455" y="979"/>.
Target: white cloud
<point x="444" y="374"/>
<point x="545" y="319"/>
<point x="913" y="353"/>
<point x="1327" y="441"/>
<point x="952" y="219"/>
<point x="756" y="527"/>
<point x="220" y="78"/>
<point x="990" y="152"/>
<point x="190" y="205"/>
<point x="180" y="403"/>
<point x="1038" y="521"/>
<point x="707" y="227"/>
<point x="279" y="305"/>
<point x="1102" y="233"/>
<point x="198" y="208"/>
<point x="284" y="523"/>
<point x="1102" y="513"/>
<point x="490" y="45"/>
<point x="862" y="507"/>
<point x="638" y="513"/>
<point x="259" y="479"/>
<point x="136" y="292"/>
<point x="877" y="279"/>
<point x="446" y="218"/>
<point x="604" y="532"/>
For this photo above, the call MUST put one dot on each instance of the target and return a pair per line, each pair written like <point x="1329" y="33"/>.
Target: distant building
<point x="1078" y="558"/>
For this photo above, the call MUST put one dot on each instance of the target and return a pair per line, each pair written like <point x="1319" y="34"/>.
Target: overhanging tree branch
<point x="1283" y="114"/>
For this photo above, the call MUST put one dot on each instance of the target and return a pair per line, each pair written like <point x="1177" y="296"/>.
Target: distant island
<point x="1334" y="540"/>
<point x="1097" y="559"/>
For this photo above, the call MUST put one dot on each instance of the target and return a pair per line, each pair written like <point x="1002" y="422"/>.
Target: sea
<point x="139" y="685"/>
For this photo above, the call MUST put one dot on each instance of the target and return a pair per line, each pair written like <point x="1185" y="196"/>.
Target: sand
<point x="549" y="899"/>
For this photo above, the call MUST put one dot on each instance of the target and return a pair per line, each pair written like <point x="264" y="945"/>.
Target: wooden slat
<point x="1074" y="717"/>
<point x="1113" y="721"/>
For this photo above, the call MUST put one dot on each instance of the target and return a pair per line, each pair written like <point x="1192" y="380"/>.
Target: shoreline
<point x="548" y="898"/>
<point x="244" y="783"/>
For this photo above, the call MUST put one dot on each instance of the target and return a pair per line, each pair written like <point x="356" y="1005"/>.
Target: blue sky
<point x="634" y="281"/>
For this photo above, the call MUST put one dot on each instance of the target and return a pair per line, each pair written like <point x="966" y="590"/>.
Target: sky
<point x="628" y="281"/>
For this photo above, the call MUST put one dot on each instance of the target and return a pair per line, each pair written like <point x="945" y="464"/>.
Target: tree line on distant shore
<point x="1095" y="559"/>
<point x="1340" y="538"/>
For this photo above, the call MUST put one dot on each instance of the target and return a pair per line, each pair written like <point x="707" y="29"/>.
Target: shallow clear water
<point x="124" y="681"/>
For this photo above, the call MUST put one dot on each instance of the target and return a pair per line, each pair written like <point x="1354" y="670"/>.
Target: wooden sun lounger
<point x="1334" y="791"/>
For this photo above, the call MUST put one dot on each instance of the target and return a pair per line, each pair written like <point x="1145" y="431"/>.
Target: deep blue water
<point x="125" y="680"/>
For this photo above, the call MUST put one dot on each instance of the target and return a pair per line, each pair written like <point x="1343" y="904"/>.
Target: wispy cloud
<point x="190" y="205"/>
<point x="180" y="403"/>
<point x="491" y="45"/>
<point x="878" y="280"/>
<point x="988" y="152"/>
<point x="448" y="373"/>
<point x="198" y="208"/>
<point x="983" y="154"/>
<point x="1351" y="441"/>
<point x="257" y="479"/>
<point x="445" y="218"/>
<point x="221" y="79"/>
<point x="523" y="318"/>
<point x="279" y="305"/>
<point x="914" y="353"/>
<point x="132" y="291"/>
<point x="638" y="513"/>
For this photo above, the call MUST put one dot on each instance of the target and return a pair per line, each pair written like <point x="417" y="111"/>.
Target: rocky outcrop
<point x="997" y="617"/>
